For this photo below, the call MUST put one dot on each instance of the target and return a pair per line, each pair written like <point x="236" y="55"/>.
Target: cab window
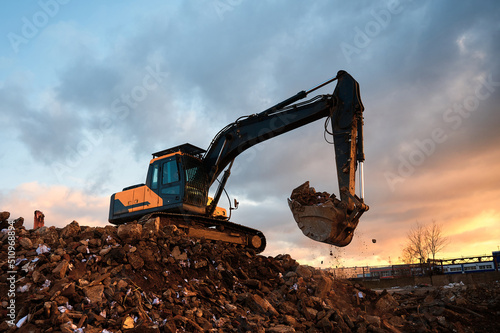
<point x="154" y="180"/>
<point x="170" y="172"/>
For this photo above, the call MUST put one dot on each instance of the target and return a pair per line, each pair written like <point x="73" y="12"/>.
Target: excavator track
<point x="198" y="226"/>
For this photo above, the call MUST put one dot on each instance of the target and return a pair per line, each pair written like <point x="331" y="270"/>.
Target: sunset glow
<point x="87" y="98"/>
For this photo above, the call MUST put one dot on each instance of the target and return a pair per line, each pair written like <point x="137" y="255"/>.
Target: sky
<point x="88" y="90"/>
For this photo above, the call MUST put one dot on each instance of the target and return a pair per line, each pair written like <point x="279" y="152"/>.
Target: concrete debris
<point x="89" y="279"/>
<point x="38" y="220"/>
<point x="4" y="216"/>
<point x="307" y="196"/>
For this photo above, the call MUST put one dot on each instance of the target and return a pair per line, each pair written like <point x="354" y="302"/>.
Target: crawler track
<point x="197" y="226"/>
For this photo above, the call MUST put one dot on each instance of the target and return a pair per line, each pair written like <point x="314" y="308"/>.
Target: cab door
<point x="170" y="181"/>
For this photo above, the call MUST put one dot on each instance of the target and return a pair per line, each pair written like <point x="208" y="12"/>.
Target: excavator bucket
<point x="322" y="217"/>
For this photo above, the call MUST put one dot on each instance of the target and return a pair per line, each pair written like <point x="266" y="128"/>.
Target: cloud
<point x="88" y="83"/>
<point x="60" y="205"/>
<point x="45" y="129"/>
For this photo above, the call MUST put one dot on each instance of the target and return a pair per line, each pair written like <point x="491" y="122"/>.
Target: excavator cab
<point x="176" y="183"/>
<point x="178" y="176"/>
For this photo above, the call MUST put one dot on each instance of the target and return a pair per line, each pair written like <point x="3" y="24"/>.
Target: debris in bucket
<point x="307" y="196"/>
<point x="321" y="216"/>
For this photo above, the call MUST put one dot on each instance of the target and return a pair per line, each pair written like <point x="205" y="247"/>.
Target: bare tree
<point x="423" y="242"/>
<point x="416" y="246"/>
<point x="408" y="256"/>
<point x="434" y="239"/>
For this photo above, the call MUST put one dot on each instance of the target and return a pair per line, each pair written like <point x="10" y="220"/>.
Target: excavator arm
<point x="251" y="130"/>
<point x="334" y="225"/>
<point x="334" y="221"/>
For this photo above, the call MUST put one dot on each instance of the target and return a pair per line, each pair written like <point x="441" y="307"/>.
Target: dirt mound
<point x="143" y="278"/>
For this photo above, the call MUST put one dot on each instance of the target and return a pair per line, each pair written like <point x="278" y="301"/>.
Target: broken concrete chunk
<point x="61" y="269"/>
<point x="71" y="230"/>
<point x="304" y="272"/>
<point x="4" y="216"/>
<point x="135" y="260"/>
<point x="94" y="293"/>
<point x="129" y="232"/>
<point x="178" y="255"/>
<point x="151" y="227"/>
<point x="386" y="303"/>
<point x="128" y="323"/>
<point x="307" y="196"/>
<point x="26" y="243"/>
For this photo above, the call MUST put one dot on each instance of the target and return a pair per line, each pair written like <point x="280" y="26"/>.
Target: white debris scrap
<point x="453" y="285"/>
<point x="42" y="248"/>
<point x="21" y="321"/>
<point x="25" y="288"/>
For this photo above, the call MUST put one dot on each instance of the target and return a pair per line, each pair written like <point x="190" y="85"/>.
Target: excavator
<point x="179" y="178"/>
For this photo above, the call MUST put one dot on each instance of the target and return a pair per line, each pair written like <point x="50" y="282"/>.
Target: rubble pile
<point x="152" y="278"/>
<point x="451" y="308"/>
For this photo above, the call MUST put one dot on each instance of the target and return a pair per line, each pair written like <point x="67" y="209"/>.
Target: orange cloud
<point x="60" y="204"/>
